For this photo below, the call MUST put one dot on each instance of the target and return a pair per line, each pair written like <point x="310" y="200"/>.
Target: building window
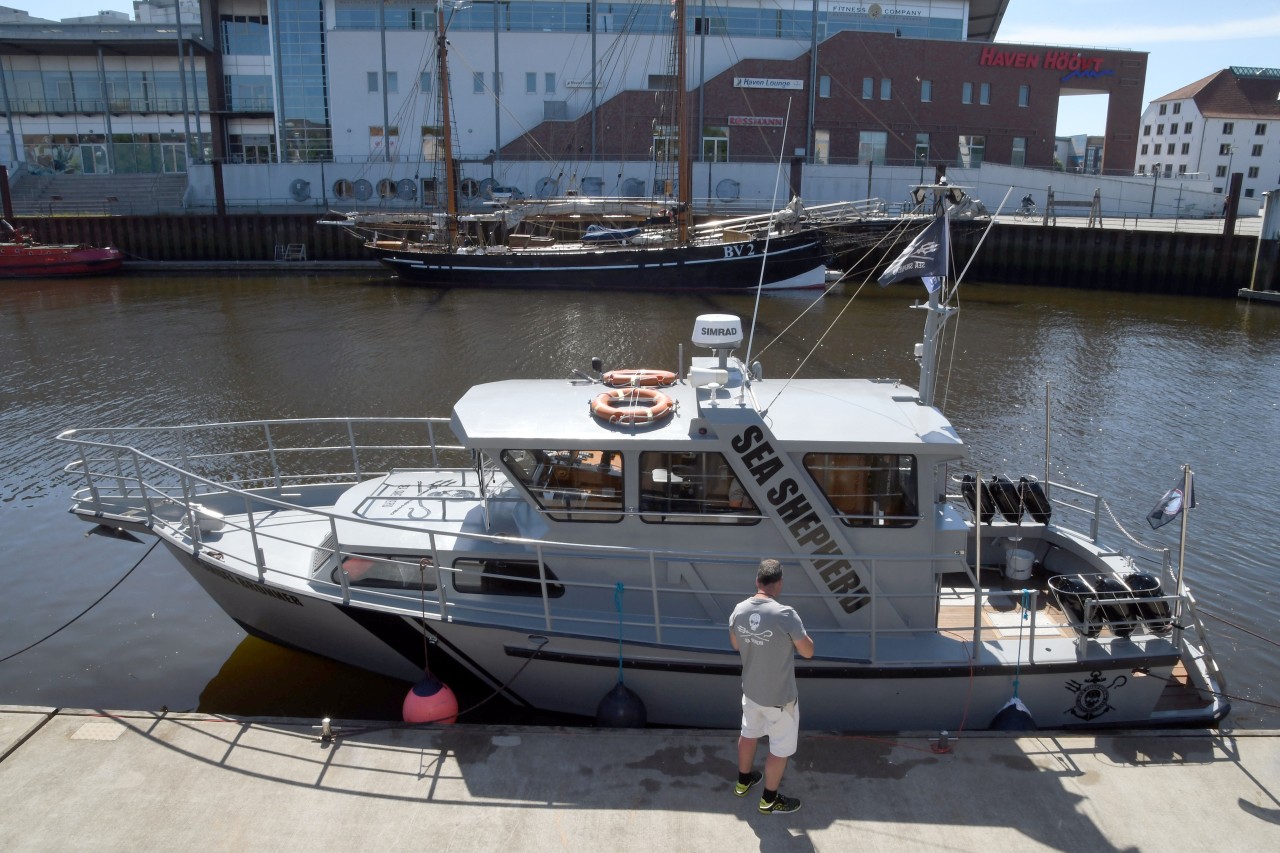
<point x="1142" y="169"/>
<point x="497" y="82"/>
<point x="549" y="82"/>
<point x="1260" y="129"/>
<point x="1182" y="169"/>
<point x="966" y="93"/>
<point x="1224" y="149"/>
<point x="1024" y="95"/>
<point x="1256" y="151"/>
<point x="922" y="149"/>
<point x="1186" y="148"/>
<point x="822" y="146"/>
<point x="1248" y="193"/>
<point x="425" y="82"/>
<point x="1019" y="155"/>
<point x="1221" y="172"/>
<point x="984" y="93"/>
<point x="971" y="151"/>
<point x="824" y="86"/>
<point x="715" y="144"/>
<point x="1186" y="128"/>
<point x="926" y="91"/>
<point x="1159" y="130"/>
<point x="372" y="81"/>
<point x="375" y="141"/>
<point x="1177" y="108"/>
<point x="886" y="89"/>
<point x="1253" y="171"/>
<point x="393" y="83"/>
<point x="868" y="88"/>
<point x="1158" y="147"/>
<point x="1144" y="149"/>
<point x="872" y="145"/>
<point x="1228" y="127"/>
<point x="1163" y="108"/>
<point x="477" y="82"/>
<point x="530" y="82"/>
<point x="1146" y="130"/>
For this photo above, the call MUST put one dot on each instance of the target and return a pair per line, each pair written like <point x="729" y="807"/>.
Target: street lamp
<point x="1155" y="180"/>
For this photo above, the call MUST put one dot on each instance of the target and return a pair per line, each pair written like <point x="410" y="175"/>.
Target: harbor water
<point x="1138" y="386"/>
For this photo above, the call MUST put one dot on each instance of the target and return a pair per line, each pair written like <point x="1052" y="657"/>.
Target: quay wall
<point x="1051" y="256"/>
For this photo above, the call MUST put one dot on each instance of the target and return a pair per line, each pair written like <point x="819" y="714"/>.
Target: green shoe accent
<point x="782" y="805"/>
<point x="740" y="790"/>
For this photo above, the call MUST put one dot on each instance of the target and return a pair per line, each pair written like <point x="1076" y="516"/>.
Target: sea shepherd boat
<point x="558" y="536"/>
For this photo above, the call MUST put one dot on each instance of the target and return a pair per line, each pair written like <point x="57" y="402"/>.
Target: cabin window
<point x="571" y="485"/>
<point x="867" y="489"/>
<point x="692" y="488"/>
<point x="388" y="571"/>
<point x="503" y="577"/>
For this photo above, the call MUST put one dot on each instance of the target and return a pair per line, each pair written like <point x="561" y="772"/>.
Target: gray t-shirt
<point x="765" y="630"/>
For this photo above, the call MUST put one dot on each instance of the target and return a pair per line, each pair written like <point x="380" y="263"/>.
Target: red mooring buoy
<point x="430" y="701"/>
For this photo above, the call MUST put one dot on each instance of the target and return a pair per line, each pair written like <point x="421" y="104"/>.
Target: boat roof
<point x="827" y="414"/>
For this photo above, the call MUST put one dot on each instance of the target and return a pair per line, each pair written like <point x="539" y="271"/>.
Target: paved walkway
<point x="79" y="780"/>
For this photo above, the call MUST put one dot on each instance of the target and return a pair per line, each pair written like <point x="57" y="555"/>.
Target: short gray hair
<point x="770" y="572"/>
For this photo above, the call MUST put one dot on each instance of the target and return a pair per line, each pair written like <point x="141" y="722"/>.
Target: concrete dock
<point x="132" y="781"/>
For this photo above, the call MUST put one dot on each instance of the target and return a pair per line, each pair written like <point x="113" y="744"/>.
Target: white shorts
<point x="780" y="725"/>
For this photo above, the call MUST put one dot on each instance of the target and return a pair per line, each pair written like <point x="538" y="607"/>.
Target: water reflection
<point x="1139" y="385"/>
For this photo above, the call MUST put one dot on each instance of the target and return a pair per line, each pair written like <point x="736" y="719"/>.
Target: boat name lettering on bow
<point x="739" y="250"/>
<point x="256" y="587"/>
<point x="803" y="524"/>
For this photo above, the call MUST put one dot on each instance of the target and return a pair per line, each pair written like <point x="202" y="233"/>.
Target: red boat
<point x="22" y="256"/>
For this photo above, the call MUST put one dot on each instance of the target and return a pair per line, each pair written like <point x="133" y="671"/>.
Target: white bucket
<point x="1017" y="564"/>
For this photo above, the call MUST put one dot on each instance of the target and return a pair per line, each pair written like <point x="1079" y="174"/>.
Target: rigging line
<point x="764" y="260"/>
<point x="150" y="548"/>
<point x="1203" y="612"/>
<point x="954" y="293"/>
<point x="1209" y="692"/>
<point x="890" y="236"/>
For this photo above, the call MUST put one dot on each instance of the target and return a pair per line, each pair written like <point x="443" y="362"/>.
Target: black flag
<point x="926" y="257"/>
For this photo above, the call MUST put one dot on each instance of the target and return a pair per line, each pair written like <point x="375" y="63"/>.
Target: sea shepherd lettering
<point x="804" y="526"/>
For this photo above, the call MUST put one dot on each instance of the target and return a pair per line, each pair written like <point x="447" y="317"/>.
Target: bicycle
<point x="1027" y="211"/>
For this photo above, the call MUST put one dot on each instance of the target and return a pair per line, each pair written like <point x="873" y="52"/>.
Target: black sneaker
<point x="740" y="790"/>
<point x="781" y="805"/>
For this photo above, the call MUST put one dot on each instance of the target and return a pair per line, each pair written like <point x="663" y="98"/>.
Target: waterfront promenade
<point x="137" y="781"/>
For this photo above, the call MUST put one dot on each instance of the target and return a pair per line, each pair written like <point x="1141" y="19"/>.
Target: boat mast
<point x="450" y="191"/>
<point x="684" y="164"/>
<point x="939" y="309"/>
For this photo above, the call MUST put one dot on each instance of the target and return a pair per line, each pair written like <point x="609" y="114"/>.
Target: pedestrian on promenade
<point x="767" y="634"/>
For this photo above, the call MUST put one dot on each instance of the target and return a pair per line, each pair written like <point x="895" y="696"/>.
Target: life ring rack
<point x="632" y="406"/>
<point x="643" y="377"/>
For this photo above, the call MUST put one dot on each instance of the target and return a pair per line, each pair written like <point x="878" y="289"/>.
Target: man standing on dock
<point x="767" y="634"/>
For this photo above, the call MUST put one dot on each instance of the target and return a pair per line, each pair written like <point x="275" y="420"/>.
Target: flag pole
<point x="1182" y="539"/>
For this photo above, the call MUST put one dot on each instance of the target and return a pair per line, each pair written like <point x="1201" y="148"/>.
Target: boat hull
<point x="35" y="261"/>
<point x="789" y="261"/>
<point x="682" y="687"/>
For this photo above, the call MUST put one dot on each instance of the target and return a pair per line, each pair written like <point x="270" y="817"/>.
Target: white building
<point x="1227" y="123"/>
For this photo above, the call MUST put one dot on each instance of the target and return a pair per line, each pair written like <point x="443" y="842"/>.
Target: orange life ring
<point x="642" y="377"/>
<point x="632" y="406"/>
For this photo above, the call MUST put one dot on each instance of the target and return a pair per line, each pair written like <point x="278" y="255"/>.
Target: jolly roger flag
<point x="925" y="258"/>
<point x="1171" y="505"/>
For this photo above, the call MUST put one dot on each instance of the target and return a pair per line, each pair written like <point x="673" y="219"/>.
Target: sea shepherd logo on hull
<point x="806" y="529"/>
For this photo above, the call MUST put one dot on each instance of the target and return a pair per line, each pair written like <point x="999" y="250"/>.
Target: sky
<point x="1186" y="39"/>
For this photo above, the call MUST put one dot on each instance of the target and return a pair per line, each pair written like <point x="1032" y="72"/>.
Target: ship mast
<point x="684" y="164"/>
<point x="450" y="190"/>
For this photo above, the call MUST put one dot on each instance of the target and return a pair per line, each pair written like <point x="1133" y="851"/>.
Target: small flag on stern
<point x="1171" y="505"/>
<point x="925" y="257"/>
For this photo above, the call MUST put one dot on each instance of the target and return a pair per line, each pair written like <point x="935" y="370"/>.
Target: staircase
<point x="50" y="195"/>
